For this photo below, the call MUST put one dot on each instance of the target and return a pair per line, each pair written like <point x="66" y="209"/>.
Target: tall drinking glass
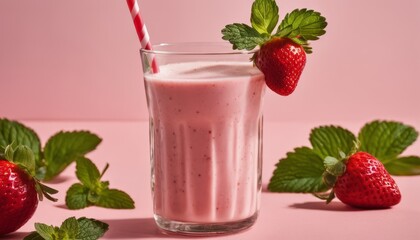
<point x="205" y="137"/>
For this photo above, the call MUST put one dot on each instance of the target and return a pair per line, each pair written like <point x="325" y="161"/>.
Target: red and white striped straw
<point x="141" y="30"/>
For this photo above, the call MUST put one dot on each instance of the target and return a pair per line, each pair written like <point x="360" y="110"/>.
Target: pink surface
<point x="282" y="216"/>
<point x="79" y="59"/>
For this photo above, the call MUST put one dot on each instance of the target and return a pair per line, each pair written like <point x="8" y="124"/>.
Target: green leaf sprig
<point x="300" y="25"/>
<point x="63" y="148"/>
<point x="70" y="229"/>
<point x="22" y="146"/>
<point x="92" y="191"/>
<point x="312" y="170"/>
<point x="59" y="152"/>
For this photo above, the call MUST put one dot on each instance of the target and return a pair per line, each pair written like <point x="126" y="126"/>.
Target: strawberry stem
<point x="331" y="196"/>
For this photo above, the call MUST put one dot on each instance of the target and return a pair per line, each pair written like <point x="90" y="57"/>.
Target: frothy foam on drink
<point x="205" y="70"/>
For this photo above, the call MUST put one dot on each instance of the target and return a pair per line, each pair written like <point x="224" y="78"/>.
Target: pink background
<point x="79" y="60"/>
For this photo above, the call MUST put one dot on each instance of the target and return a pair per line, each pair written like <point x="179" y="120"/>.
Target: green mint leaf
<point x="70" y="227"/>
<point x="87" y="172"/>
<point x="45" y="231"/>
<point x="114" y="198"/>
<point x="302" y="25"/>
<point x="386" y="140"/>
<point x="264" y="15"/>
<point x="76" y="197"/>
<point x="242" y="36"/>
<point x="65" y="147"/>
<point x="33" y="236"/>
<point x="301" y="171"/>
<point x="94" y="192"/>
<point x="91" y="229"/>
<point x="330" y="140"/>
<point x="404" y="166"/>
<point x="19" y="134"/>
<point x="93" y="196"/>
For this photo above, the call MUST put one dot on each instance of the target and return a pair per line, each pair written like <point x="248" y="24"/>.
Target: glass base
<point x="204" y="229"/>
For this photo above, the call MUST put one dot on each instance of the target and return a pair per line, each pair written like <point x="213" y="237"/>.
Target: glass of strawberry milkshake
<point x="205" y="107"/>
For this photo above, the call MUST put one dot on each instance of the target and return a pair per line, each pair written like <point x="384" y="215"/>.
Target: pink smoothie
<point x="206" y="140"/>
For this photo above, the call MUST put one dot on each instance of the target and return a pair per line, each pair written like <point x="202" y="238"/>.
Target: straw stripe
<point x="146" y="39"/>
<point x="139" y="24"/>
<point x="141" y="30"/>
<point x="134" y="9"/>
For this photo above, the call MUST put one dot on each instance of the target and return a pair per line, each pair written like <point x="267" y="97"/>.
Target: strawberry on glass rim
<point x="282" y="55"/>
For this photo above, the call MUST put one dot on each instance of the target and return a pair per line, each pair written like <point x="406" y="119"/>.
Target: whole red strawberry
<point x="19" y="189"/>
<point x="18" y="197"/>
<point x="366" y="183"/>
<point x="282" y="62"/>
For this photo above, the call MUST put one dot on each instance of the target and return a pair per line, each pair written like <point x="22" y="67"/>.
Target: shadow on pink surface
<point x="332" y="206"/>
<point x="15" y="235"/>
<point x="131" y="228"/>
<point x="63" y="206"/>
<point x="59" y="179"/>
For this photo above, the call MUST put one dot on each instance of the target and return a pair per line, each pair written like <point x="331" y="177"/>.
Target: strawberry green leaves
<point x="65" y="147"/>
<point x="304" y="23"/>
<point x="242" y="36"/>
<point x="331" y="140"/>
<point x="300" y="171"/>
<point x="309" y="170"/>
<point x="24" y="158"/>
<point x="404" y="166"/>
<point x="91" y="191"/>
<point x="60" y="150"/>
<point x="71" y="228"/>
<point x="264" y="15"/>
<point x="386" y="140"/>
<point x="315" y="169"/>
<point x="301" y="26"/>
<point x="12" y="132"/>
<point x="264" y="18"/>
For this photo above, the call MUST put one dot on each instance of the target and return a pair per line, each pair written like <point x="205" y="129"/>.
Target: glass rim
<point x="229" y="50"/>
